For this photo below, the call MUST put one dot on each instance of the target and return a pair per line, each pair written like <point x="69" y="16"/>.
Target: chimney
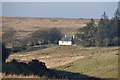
<point x="73" y="36"/>
<point x="65" y="35"/>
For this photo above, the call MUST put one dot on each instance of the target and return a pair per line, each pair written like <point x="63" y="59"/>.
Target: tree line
<point x="105" y="33"/>
<point x="39" y="37"/>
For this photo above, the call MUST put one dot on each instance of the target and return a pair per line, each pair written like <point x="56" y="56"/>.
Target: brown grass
<point x="92" y="61"/>
<point x="26" y="25"/>
<point x="59" y="55"/>
<point x="18" y="76"/>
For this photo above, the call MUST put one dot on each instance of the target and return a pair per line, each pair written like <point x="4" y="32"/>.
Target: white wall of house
<point x="65" y="42"/>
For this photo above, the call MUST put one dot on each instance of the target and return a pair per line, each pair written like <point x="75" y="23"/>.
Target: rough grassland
<point x="102" y="63"/>
<point x="25" y="25"/>
<point x="98" y="62"/>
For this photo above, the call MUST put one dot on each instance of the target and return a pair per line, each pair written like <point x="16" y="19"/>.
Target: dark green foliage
<point x="86" y="34"/>
<point x="40" y="35"/>
<point x="24" y="43"/>
<point x="39" y="69"/>
<point x="104" y="34"/>
<point x="46" y="36"/>
<point x="33" y="67"/>
<point x="54" y="35"/>
<point x="5" y="53"/>
<point x="38" y="40"/>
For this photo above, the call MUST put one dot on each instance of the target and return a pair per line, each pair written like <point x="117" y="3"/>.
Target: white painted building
<point x="66" y="41"/>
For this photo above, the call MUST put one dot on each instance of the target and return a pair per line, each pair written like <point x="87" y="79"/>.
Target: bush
<point x="5" y="53"/>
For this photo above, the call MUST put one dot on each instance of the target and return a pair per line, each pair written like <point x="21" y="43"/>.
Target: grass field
<point x="101" y="62"/>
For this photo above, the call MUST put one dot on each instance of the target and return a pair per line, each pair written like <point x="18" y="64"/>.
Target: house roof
<point x="66" y="39"/>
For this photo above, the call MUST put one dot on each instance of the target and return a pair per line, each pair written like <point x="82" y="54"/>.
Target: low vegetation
<point x="102" y="63"/>
<point x="92" y="61"/>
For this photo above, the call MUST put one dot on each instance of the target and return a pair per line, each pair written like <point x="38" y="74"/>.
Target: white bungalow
<point x="66" y="40"/>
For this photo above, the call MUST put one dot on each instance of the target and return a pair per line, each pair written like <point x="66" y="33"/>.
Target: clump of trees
<point x="86" y="34"/>
<point x="41" y="37"/>
<point x="106" y="33"/>
<point x="46" y="36"/>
